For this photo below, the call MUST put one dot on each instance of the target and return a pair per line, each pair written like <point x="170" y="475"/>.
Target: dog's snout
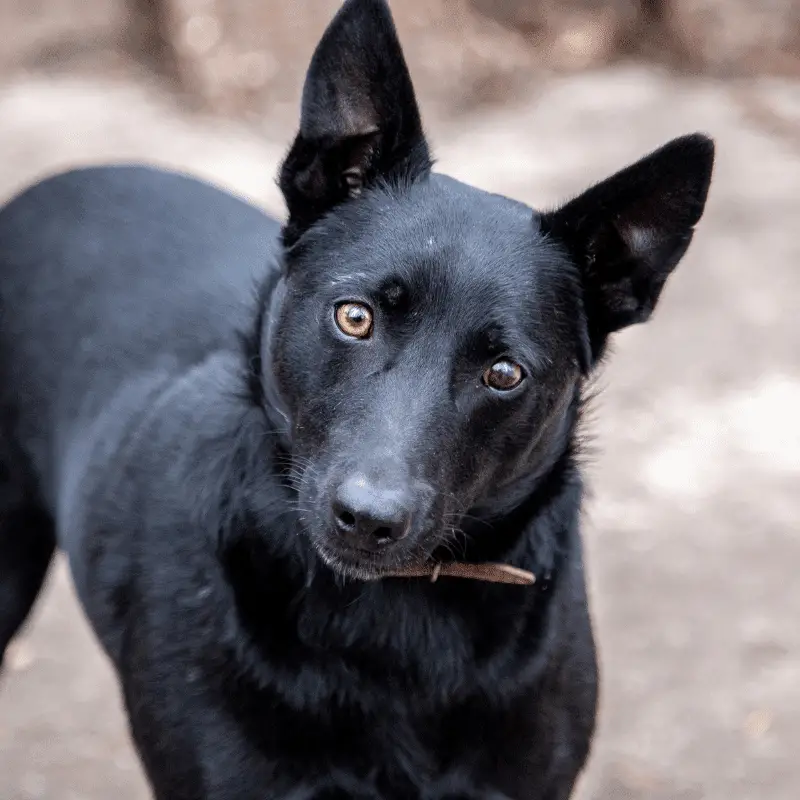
<point x="370" y="514"/>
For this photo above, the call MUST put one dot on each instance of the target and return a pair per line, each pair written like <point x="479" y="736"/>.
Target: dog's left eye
<point x="504" y="375"/>
<point x="354" y="319"/>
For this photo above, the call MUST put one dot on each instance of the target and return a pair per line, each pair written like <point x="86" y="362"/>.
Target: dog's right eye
<point x="503" y="375"/>
<point x="354" y="320"/>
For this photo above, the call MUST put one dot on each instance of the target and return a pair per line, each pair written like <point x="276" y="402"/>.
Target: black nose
<point x="369" y="514"/>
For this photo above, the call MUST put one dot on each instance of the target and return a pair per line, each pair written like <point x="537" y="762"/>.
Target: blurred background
<point x="693" y="525"/>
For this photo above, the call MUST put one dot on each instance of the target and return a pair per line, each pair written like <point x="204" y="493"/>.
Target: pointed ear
<point x="629" y="232"/>
<point x="359" y="120"/>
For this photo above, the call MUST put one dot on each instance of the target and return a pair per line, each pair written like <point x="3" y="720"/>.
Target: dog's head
<point x="429" y="340"/>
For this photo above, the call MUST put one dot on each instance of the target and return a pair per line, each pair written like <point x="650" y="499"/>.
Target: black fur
<point x="180" y="410"/>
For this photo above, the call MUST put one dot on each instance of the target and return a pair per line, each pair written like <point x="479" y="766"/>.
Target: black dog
<point x="249" y="445"/>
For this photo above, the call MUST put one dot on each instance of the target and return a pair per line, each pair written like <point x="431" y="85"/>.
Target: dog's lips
<point x="359" y="563"/>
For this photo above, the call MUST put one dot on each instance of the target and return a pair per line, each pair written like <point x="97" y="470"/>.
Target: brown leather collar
<point x="491" y="573"/>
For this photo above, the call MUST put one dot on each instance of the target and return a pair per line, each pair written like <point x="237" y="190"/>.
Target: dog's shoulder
<point x="147" y="489"/>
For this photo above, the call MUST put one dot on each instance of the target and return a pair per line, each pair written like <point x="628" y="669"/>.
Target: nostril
<point x="385" y="534"/>
<point x="345" y="519"/>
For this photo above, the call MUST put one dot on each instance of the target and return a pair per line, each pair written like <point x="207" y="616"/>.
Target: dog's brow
<point x="530" y="355"/>
<point x="349" y="278"/>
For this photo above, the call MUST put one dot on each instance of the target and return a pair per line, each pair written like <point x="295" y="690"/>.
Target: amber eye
<point x="503" y="375"/>
<point x="354" y="319"/>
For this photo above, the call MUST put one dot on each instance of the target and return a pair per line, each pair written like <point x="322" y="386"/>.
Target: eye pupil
<point x="356" y="315"/>
<point x="503" y="375"/>
<point x="354" y="319"/>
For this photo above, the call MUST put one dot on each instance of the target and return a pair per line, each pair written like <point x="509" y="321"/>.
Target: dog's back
<point x="108" y="275"/>
<point x="114" y="281"/>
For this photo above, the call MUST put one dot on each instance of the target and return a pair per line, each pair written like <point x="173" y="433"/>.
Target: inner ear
<point x="628" y="233"/>
<point x="359" y="120"/>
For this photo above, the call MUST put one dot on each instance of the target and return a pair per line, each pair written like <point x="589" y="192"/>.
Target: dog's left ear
<point x="629" y="232"/>
<point x="359" y="119"/>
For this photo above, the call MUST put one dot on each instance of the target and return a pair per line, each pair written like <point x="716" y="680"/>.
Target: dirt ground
<point x="692" y="529"/>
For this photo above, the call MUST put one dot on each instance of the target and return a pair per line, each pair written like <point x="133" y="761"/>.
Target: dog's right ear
<point x="359" y="121"/>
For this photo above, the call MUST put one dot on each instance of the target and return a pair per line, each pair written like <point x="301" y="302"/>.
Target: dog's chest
<point x="387" y="746"/>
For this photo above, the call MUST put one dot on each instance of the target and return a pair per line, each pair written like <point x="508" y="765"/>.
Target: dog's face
<point x="429" y="340"/>
<point x="428" y="349"/>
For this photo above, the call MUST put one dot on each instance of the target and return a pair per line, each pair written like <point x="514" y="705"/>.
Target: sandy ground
<point x="692" y="529"/>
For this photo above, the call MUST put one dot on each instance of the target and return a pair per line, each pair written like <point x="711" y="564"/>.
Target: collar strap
<point x="491" y="573"/>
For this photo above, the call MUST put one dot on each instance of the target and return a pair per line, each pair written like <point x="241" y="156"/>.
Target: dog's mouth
<point x="365" y="565"/>
<point x="365" y="568"/>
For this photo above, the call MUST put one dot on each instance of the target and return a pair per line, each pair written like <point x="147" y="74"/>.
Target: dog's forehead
<point x="454" y="214"/>
<point x="450" y="232"/>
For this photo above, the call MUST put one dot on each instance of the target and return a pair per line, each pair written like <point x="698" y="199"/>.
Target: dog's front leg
<point x="199" y="740"/>
<point x="196" y="753"/>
